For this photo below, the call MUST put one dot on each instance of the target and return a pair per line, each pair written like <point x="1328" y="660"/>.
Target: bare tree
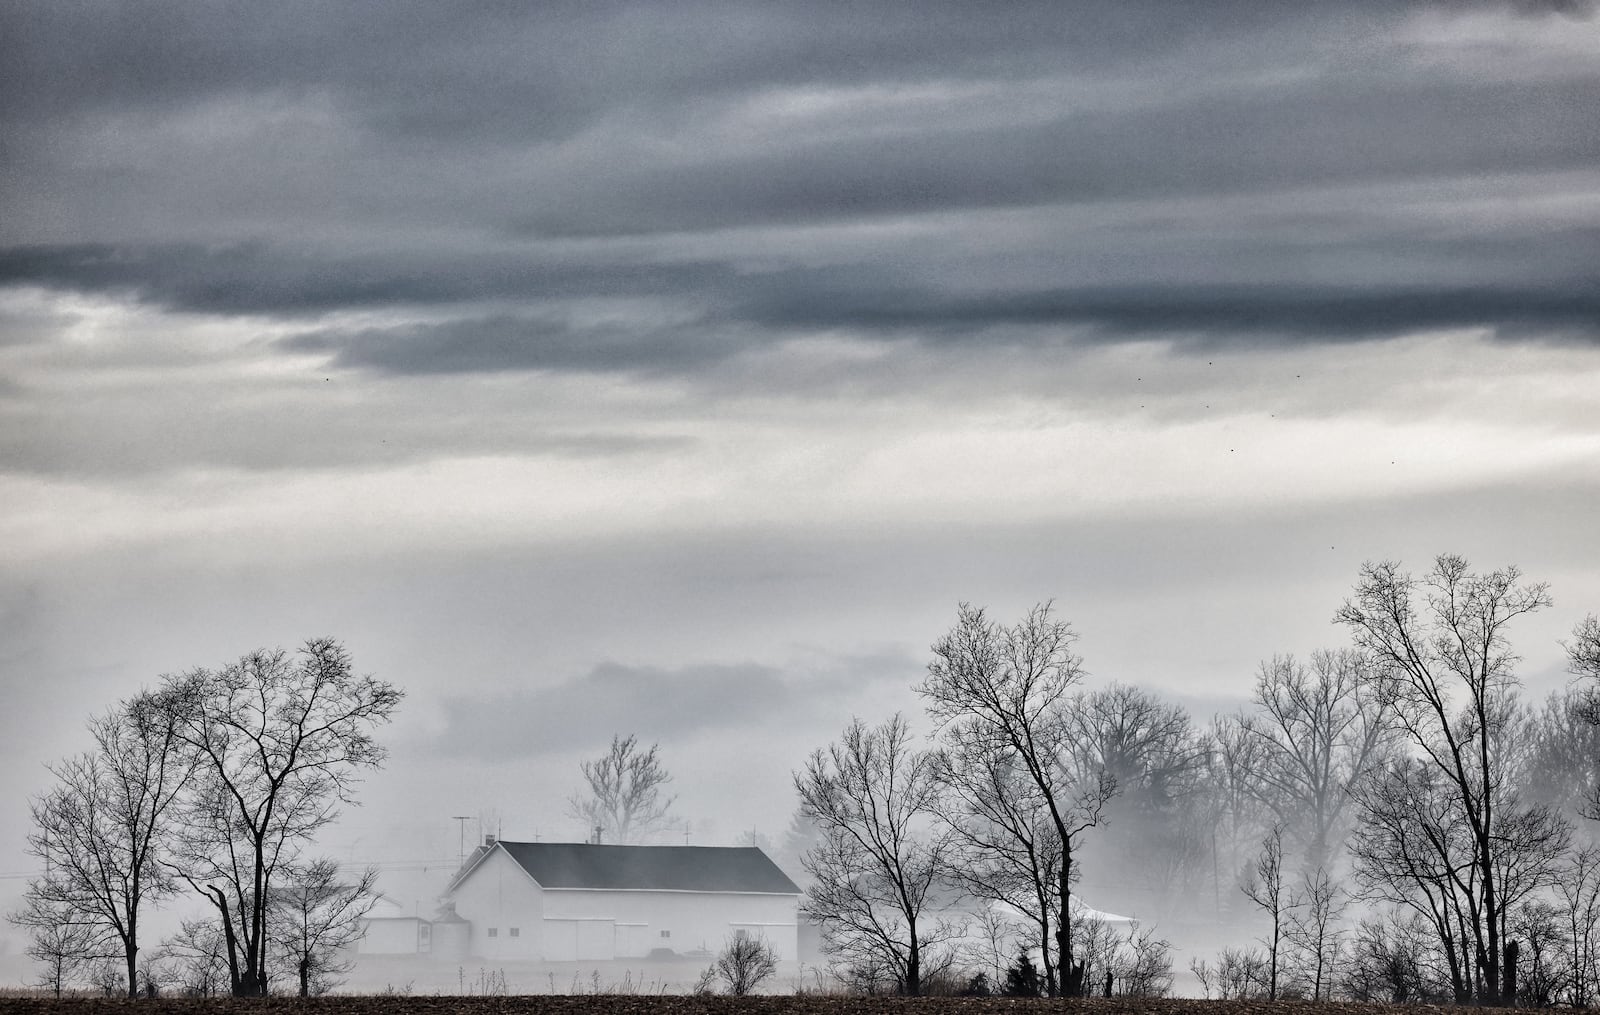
<point x="1395" y="957"/>
<point x="1004" y="846"/>
<point x="1143" y="965"/>
<point x="1584" y="651"/>
<point x="1541" y="972"/>
<point x="1437" y="638"/>
<point x="1265" y="885"/>
<point x="1320" y="728"/>
<point x="624" y="800"/>
<point x="1560" y="761"/>
<point x="316" y="917"/>
<point x="1009" y="689"/>
<point x="879" y="860"/>
<point x="1412" y="848"/>
<point x="1236" y="817"/>
<point x="1314" y="929"/>
<point x="1583" y="654"/>
<point x="1239" y="974"/>
<point x="992" y="943"/>
<point x="197" y="958"/>
<point x="100" y="830"/>
<point x="280" y="743"/>
<point x="745" y="962"/>
<point x="66" y="943"/>
<point x="1578" y="890"/>
<point x="1156" y="759"/>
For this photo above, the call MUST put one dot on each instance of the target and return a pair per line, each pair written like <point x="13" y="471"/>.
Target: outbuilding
<point x="565" y="901"/>
<point x="388" y="929"/>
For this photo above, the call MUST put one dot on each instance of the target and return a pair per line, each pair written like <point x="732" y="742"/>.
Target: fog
<point x="591" y="372"/>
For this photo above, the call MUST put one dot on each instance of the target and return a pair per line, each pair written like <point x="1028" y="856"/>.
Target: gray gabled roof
<point x="648" y="868"/>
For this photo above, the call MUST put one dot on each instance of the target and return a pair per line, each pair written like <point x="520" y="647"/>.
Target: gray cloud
<point x="504" y="343"/>
<point x="254" y="278"/>
<point x="1229" y="312"/>
<point x="1205" y="317"/>
<point x="1512" y="285"/>
<point x="410" y="66"/>
<point x="1315" y="133"/>
<point x="657" y="704"/>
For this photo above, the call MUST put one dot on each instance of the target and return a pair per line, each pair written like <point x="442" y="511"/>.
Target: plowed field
<point x="596" y="1004"/>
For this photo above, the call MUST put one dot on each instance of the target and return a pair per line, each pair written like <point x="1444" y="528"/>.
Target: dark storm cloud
<point x="256" y="278"/>
<point x="1247" y="313"/>
<point x="651" y="702"/>
<point x="1215" y="315"/>
<point x="500" y="159"/>
<point x="510" y="343"/>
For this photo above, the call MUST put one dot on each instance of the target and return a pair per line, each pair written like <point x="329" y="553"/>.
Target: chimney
<point x="598" y="830"/>
<point x="488" y="840"/>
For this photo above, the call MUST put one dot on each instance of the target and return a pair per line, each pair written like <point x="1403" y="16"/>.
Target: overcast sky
<point x="677" y="369"/>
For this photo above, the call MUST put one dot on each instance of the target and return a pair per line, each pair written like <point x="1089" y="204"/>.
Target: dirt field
<point x="590" y="1004"/>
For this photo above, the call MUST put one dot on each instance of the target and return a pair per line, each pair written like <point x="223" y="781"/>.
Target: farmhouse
<point x="563" y="901"/>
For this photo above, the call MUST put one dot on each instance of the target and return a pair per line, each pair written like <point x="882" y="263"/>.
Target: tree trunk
<point x="235" y="983"/>
<point x="131" y="953"/>
<point x="1071" y="972"/>
<point x="1051" y="981"/>
<point x="1508" y="989"/>
<point x="1458" y="971"/>
<point x="1272" y="980"/>
<point x="305" y="976"/>
<point x="913" y="984"/>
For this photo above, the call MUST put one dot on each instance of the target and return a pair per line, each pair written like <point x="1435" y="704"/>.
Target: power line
<point x="449" y="862"/>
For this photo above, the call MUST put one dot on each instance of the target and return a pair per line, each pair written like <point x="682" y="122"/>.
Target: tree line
<point x="1402" y="777"/>
<point x="215" y="782"/>
<point x="1393" y="815"/>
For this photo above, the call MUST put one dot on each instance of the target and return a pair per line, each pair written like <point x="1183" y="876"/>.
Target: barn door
<point x="597" y="940"/>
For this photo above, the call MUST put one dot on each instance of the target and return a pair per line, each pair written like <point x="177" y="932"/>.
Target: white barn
<point x="564" y="901"/>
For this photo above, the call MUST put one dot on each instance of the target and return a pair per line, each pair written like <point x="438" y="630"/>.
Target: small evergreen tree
<point x="1022" y="979"/>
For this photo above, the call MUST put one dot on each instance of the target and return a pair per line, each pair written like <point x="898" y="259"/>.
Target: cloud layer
<point x="609" y="188"/>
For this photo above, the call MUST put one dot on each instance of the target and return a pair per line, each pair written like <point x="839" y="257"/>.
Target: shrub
<point x="745" y="962"/>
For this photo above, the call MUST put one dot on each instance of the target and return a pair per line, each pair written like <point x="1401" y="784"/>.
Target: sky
<point x="677" y="370"/>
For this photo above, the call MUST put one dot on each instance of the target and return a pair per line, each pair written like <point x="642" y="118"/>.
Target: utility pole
<point x="461" y="824"/>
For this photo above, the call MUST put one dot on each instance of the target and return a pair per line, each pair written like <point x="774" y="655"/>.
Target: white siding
<point x="497" y="896"/>
<point x="405" y="935"/>
<point x="633" y="940"/>
<point x="693" y="921"/>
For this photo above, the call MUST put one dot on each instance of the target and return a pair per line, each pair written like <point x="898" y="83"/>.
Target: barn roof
<point x="648" y="868"/>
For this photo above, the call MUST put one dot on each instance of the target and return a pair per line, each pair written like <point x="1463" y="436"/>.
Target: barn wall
<point x="682" y="921"/>
<point x="499" y="897"/>
<point x="401" y="935"/>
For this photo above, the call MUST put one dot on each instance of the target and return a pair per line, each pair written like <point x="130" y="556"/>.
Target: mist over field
<point x="683" y="372"/>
